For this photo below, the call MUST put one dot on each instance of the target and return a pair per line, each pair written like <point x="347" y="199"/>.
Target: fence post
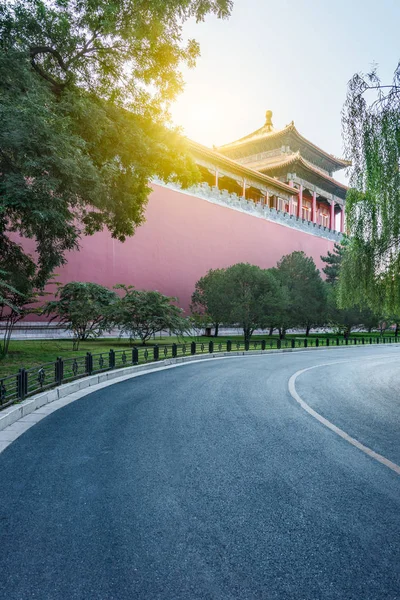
<point x="228" y="346"/>
<point x="135" y="356"/>
<point x="293" y="343"/>
<point x="111" y="359"/>
<point x="174" y="350"/>
<point x="59" y="371"/>
<point x="22" y="384"/>
<point x="347" y="341"/>
<point x="156" y="352"/>
<point x="278" y="344"/>
<point x="337" y="341"/>
<point x="316" y="342"/>
<point x="263" y="344"/>
<point x="370" y="340"/>
<point x="355" y="341"/>
<point x="211" y="347"/>
<point x="305" y="342"/>
<point x="89" y="363"/>
<point x="362" y="341"/>
<point x="193" y="347"/>
<point x="327" y="341"/>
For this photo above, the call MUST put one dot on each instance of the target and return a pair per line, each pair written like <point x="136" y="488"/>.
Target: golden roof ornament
<point x="268" y="121"/>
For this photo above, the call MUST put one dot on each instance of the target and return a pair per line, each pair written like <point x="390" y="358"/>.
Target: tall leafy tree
<point x="333" y="262"/>
<point x="209" y="298"/>
<point x="306" y="294"/>
<point x="253" y="297"/>
<point x="18" y="291"/>
<point x="83" y="308"/>
<point x="84" y="92"/>
<point x="353" y="314"/>
<point x="142" y="314"/>
<point x="371" y="125"/>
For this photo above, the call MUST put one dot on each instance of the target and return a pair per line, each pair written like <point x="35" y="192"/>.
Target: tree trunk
<point x="308" y="330"/>
<point x="346" y="332"/>
<point x="271" y="331"/>
<point x="282" y="333"/>
<point x="396" y="331"/>
<point x="216" y="329"/>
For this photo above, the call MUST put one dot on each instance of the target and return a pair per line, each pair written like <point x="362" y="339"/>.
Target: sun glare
<point x="200" y="120"/>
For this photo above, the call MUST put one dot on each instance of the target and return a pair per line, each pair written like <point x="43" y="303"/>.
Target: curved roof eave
<point x="261" y="133"/>
<point x="297" y="158"/>
<point x="232" y="164"/>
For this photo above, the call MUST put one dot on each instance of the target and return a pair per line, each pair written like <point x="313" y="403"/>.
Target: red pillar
<point x="291" y="184"/>
<point x="314" y="208"/>
<point x="300" y="203"/>
<point x="332" y="219"/>
<point x="342" y="220"/>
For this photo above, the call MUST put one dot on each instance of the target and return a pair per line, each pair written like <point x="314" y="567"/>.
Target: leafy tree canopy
<point x="333" y="262"/>
<point x="84" y="93"/>
<point x="82" y="308"/>
<point x="209" y="298"/>
<point x="142" y="314"/>
<point x="371" y="122"/>
<point x="353" y="314"/>
<point x="253" y="297"/>
<point x="18" y="291"/>
<point x="305" y="292"/>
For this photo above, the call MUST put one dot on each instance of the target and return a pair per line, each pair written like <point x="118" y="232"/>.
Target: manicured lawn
<point x="33" y="353"/>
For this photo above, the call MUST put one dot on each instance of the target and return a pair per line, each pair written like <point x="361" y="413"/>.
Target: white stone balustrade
<point x="225" y="198"/>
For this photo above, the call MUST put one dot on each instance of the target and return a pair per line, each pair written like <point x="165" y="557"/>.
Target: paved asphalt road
<point x="208" y="481"/>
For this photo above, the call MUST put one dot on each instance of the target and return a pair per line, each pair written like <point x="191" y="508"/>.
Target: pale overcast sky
<point x="291" y="56"/>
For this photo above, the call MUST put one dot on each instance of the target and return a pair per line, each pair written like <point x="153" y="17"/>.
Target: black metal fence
<point x="27" y="382"/>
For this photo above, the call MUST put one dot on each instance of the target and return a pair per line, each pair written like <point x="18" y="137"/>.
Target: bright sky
<point x="293" y="57"/>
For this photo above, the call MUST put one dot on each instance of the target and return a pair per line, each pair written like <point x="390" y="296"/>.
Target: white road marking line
<point x="293" y="392"/>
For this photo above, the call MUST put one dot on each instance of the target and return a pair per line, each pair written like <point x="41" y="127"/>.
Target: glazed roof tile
<point x="266" y="132"/>
<point x="296" y="158"/>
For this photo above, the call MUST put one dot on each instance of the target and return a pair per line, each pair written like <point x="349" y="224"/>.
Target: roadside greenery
<point x="371" y="125"/>
<point x="209" y="299"/>
<point x="305" y="293"/>
<point x="143" y="314"/>
<point x="18" y="291"/>
<point x="82" y="308"/>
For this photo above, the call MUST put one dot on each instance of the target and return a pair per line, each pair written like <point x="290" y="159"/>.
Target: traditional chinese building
<point x="286" y="155"/>
<point x="259" y="198"/>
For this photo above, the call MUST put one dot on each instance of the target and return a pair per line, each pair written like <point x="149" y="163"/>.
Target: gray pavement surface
<point x="209" y="481"/>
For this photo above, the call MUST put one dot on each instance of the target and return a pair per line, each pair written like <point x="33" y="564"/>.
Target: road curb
<point x="69" y="392"/>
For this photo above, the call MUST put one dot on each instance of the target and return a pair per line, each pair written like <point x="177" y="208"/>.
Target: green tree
<point x="209" y="298"/>
<point x="82" y="308"/>
<point x="84" y="94"/>
<point x="142" y="314"/>
<point x="18" y="292"/>
<point x="306" y="294"/>
<point x="253" y="297"/>
<point x="371" y="125"/>
<point x="353" y="315"/>
<point x="333" y="262"/>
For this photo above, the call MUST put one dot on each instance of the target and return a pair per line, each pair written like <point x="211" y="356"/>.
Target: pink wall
<point x="181" y="240"/>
